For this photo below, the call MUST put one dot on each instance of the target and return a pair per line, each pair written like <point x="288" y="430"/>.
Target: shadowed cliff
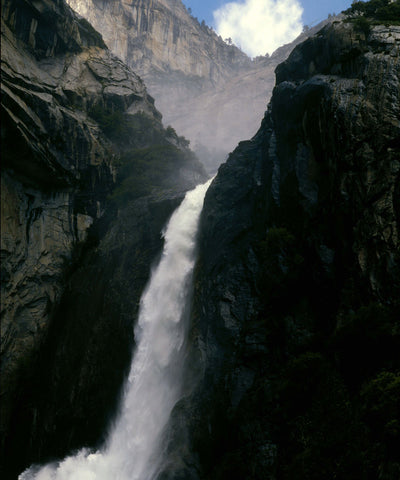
<point x="294" y="366"/>
<point x="89" y="178"/>
<point x="296" y="311"/>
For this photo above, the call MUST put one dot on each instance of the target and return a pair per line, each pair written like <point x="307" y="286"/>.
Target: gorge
<point x="134" y="447"/>
<point x="208" y="90"/>
<point x="291" y="366"/>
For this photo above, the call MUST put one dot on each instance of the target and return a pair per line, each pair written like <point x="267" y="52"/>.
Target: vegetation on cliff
<point x="374" y="12"/>
<point x="381" y="11"/>
<point x="149" y="157"/>
<point x="335" y="399"/>
<point x="297" y="289"/>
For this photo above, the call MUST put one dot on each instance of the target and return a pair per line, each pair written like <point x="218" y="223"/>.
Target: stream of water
<point x="134" y="447"/>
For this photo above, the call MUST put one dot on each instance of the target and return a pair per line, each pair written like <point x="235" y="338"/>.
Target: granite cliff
<point x="76" y="122"/>
<point x="294" y="367"/>
<point x="178" y="58"/>
<point x="209" y="91"/>
<point x="296" y="321"/>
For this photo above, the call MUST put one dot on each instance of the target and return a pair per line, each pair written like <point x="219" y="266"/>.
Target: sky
<point x="261" y="26"/>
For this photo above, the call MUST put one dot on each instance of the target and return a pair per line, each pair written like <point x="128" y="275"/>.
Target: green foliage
<point x="336" y="400"/>
<point x="380" y="409"/>
<point x="149" y="155"/>
<point x="303" y="375"/>
<point x="111" y="121"/>
<point x="381" y="403"/>
<point x="143" y="131"/>
<point x="129" y="131"/>
<point x="171" y="133"/>
<point x="362" y="24"/>
<point x="377" y="10"/>
<point x="184" y="142"/>
<point x="338" y="413"/>
<point x="315" y="422"/>
<point x="144" y="169"/>
<point x="389" y="13"/>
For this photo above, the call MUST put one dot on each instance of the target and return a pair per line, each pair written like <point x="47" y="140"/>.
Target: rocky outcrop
<point x="210" y="91"/>
<point x="159" y="37"/>
<point x="293" y="362"/>
<point x="296" y="310"/>
<point x="75" y="120"/>
<point x="179" y="59"/>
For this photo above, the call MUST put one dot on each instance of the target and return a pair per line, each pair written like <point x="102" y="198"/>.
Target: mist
<point x="205" y="86"/>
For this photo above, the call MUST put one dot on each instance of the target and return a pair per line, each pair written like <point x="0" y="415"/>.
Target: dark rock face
<point x="293" y="365"/>
<point x="296" y="310"/>
<point x="78" y="234"/>
<point x="66" y="398"/>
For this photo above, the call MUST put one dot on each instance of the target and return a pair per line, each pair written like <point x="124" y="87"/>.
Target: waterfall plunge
<point x="133" y="450"/>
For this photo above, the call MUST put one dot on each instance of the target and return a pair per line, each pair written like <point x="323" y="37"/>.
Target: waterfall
<point x="133" y="450"/>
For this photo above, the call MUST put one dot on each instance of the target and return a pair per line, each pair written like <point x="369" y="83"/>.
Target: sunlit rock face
<point x="161" y="36"/>
<point x="180" y="60"/>
<point x="296" y="302"/>
<point x="209" y="91"/>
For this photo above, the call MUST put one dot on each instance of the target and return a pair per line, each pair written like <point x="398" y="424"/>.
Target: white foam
<point x="133" y="449"/>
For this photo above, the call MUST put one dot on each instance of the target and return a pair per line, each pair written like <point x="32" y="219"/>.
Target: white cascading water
<point x="134" y="448"/>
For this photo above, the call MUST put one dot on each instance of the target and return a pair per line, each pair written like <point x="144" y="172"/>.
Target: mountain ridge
<point x="209" y="91"/>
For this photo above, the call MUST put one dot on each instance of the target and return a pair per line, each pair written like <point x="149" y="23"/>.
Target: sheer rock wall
<point x="296" y="310"/>
<point x="209" y="91"/>
<point x="60" y="165"/>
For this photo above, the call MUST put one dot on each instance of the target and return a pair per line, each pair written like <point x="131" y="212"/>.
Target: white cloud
<point x="259" y="26"/>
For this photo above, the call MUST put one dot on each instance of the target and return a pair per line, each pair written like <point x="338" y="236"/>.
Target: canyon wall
<point x="293" y="362"/>
<point x="75" y="122"/>
<point x="209" y="91"/>
<point x="296" y="310"/>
